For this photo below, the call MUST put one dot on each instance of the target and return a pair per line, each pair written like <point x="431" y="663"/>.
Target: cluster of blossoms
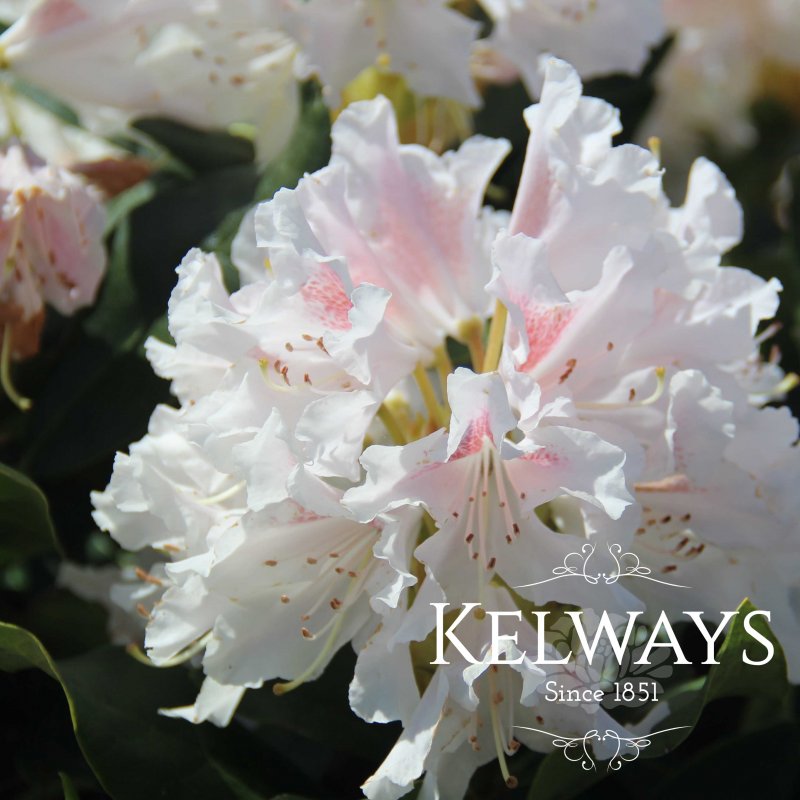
<point x="329" y="473"/>
<point x="212" y="64"/>
<point x="51" y="231"/>
<point x="725" y="57"/>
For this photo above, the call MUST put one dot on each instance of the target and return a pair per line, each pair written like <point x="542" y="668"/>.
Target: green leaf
<point x="200" y="150"/>
<point x="731" y="677"/>
<point x="309" y="150"/>
<point x="70" y="792"/>
<point x="25" y="526"/>
<point x="134" y="752"/>
<point x="20" y="649"/>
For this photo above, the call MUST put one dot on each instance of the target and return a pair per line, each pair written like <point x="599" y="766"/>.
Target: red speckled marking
<point x="326" y="299"/>
<point x="472" y="441"/>
<point x="544" y="326"/>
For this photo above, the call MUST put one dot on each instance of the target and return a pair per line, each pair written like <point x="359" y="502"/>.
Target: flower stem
<point x="496" y="333"/>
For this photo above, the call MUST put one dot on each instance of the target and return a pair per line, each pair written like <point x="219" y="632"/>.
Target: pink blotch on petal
<point x="327" y="300"/>
<point x="544" y="457"/>
<point x="544" y="326"/>
<point x="472" y="441"/>
<point x="56" y="15"/>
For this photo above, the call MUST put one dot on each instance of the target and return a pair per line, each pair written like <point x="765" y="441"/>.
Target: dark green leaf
<point x="200" y="150"/>
<point x="25" y="525"/>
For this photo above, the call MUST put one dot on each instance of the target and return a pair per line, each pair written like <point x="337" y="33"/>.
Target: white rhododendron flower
<point x="423" y="40"/>
<point x="51" y="247"/>
<point x="584" y="32"/>
<point x="725" y="56"/>
<point x="331" y="473"/>
<point x="197" y="63"/>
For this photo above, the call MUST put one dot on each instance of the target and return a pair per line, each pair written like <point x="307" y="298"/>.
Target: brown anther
<point x="352" y="573"/>
<point x="305" y="618"/>
<point x="669" y="568"/>
<point x="142" y="611"/>
<point x="474" y="556"/>
<point x="631" y="395"/>
<point x="610" y="346"/>
<point x="665" y="520"/>
<point x="686" y="517"/>
<point x="307" y="337"/>
<point x="515" y="526"/>
<point x="455" y="514"/>
<point x="471" y="499"/>
<point x="284" y="598"/>
<point x="271" y="563"/>
<point x="339" y="570"/>
<point x="492" y="562"/>
<point x="147" y="577"/>
<point x="502" y="504"/>
<point x="237" y="80"/>
<point x="336" y="603"/>
<point x="306" y="633"/>
<point x="285" y="374"/>
<point x="513" y="745"/>
<point x="311" y="560"/>
<point x="306" y="379"/>
<point x="333" y="555"/>
<point x="321" y="345"/>
<point x="508" y="538"/>
<point x="571" y="364"/>
<point x="469" y="537"/>
<point x="512" y="782"/>
<point x="522" y="495"/>
<point x="640" y="531"/>
<point x="498" y="698"/>
<point x="289" y="346"/>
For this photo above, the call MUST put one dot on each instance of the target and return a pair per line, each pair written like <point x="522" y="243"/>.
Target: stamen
<point x="435" y="410"/>
<point x="648" y="401"/>
<point x="511" y="781"/>
<point x="226" y="494"/>
<point x="188" y="652"/>
<point x="391" y="424"/>
<point x="496" y="335"/>
<point x="22" y="403"/>
<point x="471" y="333"/>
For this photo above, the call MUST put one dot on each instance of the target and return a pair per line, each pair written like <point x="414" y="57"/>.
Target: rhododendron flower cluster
<point x="414" y="399"/>
<point x="212" y="64"/>
<point x="725" y="57"/>
<point x="51" y="248"/>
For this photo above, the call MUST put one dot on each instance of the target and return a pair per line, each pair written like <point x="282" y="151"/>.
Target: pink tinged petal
<point x="403" y="219"/>
<point x="538" y="190"/>
<point x="560" y="460"/>
<point x="326" y="299"/>
<point x="538" y="309"/>
<point x="397" y="476"/>
<point x="480" y="410"/>
<point x="216" y="703"/>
